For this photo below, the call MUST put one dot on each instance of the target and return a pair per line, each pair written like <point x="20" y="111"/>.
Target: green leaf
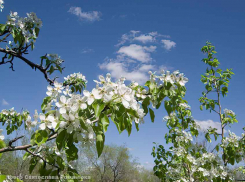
<point x="207" y="136"/>
<point x="217" y="148"/>
<point x="71" y="152"/>
<point x="60" y="162"/>
<point x="2" y="145"/>
<point x="137" y="126"/>
<point x="168" y="107"/>
<point x="2" y="177"/>
<point x="32" y="46"/>
<point x="98" y="107"/>
<point x="105" y="122"/>
<point x="100" y="140"/>
<point x="83" y="125"/>
<point x="51" y="70"/>
<point x="33" y="164"/>
<point x="2" y="27"/>
<point x="129" y="127"/>
<point x="46" y="100"/>
<point x="41" y="136"/>
<point x="152" y="114"/>
<point x="145" y="104"/>
<point x="26" y="155"/>
<point x="60" y="140"/>
<point x="37" y="31"/>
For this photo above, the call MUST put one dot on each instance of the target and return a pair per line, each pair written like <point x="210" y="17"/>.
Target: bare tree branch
<point x="14" y="140"/>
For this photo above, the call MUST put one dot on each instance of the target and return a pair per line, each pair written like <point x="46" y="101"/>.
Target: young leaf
<point x="105" y="122"/>
<point x="152" y="114"/>
<point x="100" y="140"/>
<point x="98" y="107"/>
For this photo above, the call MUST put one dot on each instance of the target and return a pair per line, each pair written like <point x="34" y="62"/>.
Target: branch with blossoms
<point x="187" y="161"/>
<point x="70" y="118"/>
<point x="18" y="35"/>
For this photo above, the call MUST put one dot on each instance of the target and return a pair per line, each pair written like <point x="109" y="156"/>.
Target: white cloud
<point x="138" y="52"/>
<point x="146" y="67"/>
<point x="87" y="16"/>
<point x="118" y="70"/>
<point x="5" y="103"/>
<point x="84" y="51"/>
<point x="133" y="36"/>
<point x="168" y="44"/>
<point x="134" y="61"/>
<point x="144" y="38"/>
<point x="204" y="125"/>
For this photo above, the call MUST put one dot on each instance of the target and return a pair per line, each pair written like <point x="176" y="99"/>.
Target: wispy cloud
<point x="85" y="51"/>
<point x="168" y="44"/>
<point x="5" y="103"/>
<point x="123" y="16"/>
<point x="137" y="36"/>
<point x="204" y="125"/>
<point x="85" y="16"/>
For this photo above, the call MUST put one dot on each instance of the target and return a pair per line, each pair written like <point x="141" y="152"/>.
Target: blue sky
<point x="88" y="36"/>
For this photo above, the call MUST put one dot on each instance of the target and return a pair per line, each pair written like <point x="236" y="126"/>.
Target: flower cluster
<point x="196" y="166"/>
<point x="15" y="119"/>
<point x="232" y="138"/>
<point x="229" y="112"/>
<point x="1" y="5"/>
<point x="172" y="116"/>
<point x="184" y="137"/>
<point x="175" y="77"/>
<point x="75" y="78"/>
<point x="27" y="25"/>
<point x="8" y="115"/>
<point x="63" y="106"/>
<point x="29" y="123"/>
<point x="119" y="93"/>
<point x="54" y="58"/>
<point x="185" y="106"/>
<point x="167" y="84"/>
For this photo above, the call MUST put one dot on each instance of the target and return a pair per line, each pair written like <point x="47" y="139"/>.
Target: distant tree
<point x="115" y="164"/>
<point x="146" y="175"/>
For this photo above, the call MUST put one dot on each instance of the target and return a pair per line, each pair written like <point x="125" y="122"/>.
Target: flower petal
<point x="42" y="126"/>
<point x="42" y="117"/>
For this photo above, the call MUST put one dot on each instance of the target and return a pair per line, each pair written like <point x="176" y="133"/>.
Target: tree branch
<point x="14" y="140"/>
<point x="24" y="147"/>
<point x="39" y="156"/>
<point x="31" y="64"/>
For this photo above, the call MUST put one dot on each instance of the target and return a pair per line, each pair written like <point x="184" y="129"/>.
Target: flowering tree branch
<point x="39" y="156"/>
<point x="24" y="147"/>
<point x="24" y="32"/>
